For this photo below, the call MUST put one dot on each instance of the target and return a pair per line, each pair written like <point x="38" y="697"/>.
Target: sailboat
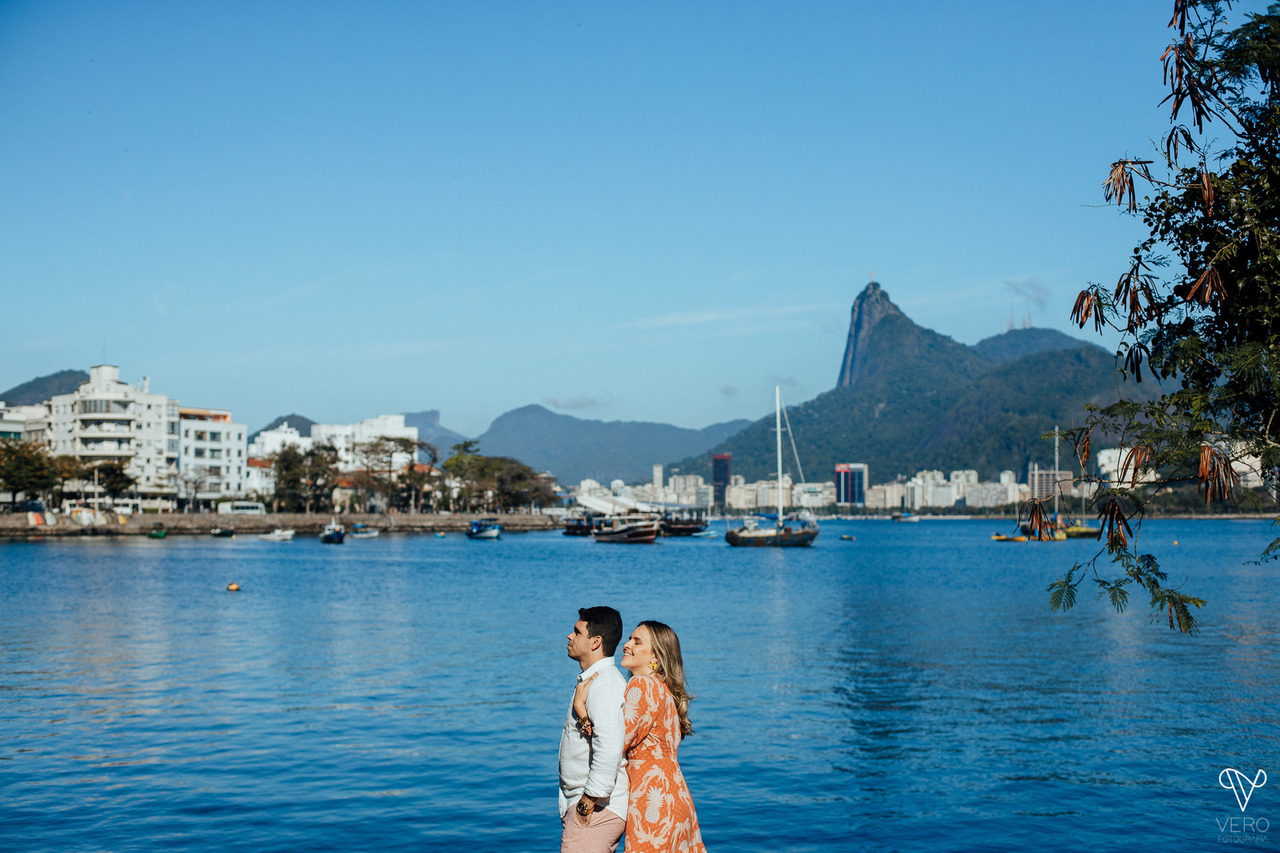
<point x="782" y="534"/>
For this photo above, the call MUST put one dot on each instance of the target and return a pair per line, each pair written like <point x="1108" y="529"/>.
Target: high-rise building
<point x="721" y="471"/>
<point x="213" y="462"/>
<point x="106" y="419"/>
<point x="851" y="483"/>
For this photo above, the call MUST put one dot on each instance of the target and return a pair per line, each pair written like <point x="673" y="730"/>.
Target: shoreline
<point x="19" y="525"/>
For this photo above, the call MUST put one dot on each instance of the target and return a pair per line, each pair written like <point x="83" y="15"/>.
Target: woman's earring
<point x="653" y="666"/>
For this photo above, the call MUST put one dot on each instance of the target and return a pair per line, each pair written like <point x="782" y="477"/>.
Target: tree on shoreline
<point x="1198" y="304"/>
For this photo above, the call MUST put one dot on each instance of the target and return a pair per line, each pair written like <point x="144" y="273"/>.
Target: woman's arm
<point x="580" y="694"/>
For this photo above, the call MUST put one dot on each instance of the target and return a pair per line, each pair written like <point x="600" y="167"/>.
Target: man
<point x="593" y="776"/>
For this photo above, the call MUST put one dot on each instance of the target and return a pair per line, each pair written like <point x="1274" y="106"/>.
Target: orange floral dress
<point x="660" y="816"/>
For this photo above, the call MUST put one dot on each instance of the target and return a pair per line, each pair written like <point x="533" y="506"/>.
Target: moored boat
<point x="333" y="533"/>
<point x="277" y="535"/>
<point x="363" y="531"/>
<point x="628" y="529"/>
<point x="686" y="521"/>
<point x="157" y="533"/>
<point x="223" y="532"/>
<point x="778" y="535"/>
<point x="581" y="524"/>
<point x="485" y="528"/>
<point x="781" y="534"/>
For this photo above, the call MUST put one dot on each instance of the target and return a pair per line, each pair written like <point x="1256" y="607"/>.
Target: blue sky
<point x="643" y="211"/>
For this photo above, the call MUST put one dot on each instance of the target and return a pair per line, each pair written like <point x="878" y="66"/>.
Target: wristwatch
<point x="584" y="808"/>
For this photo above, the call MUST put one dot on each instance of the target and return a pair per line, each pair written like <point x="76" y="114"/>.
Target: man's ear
<point x="596" y="642"/>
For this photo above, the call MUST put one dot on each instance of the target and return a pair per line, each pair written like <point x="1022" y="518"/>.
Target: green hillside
<point x="40" y="389"/>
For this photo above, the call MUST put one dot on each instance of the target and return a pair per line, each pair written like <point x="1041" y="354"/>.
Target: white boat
<point x="630" y="529"/>
<point x="782" y="533"/>
<point x="485" y="528"/>
<point x="277" y="535"/>
<point x="363" y="531"/>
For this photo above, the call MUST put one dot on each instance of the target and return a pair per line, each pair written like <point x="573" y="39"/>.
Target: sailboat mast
<point x="1057" y="478"/>
<point x="777" y="417"/>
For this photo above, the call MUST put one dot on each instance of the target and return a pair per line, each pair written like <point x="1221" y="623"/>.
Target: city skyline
<point x="622" y="214"/>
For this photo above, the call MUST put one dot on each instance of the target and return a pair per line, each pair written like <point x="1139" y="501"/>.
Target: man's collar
<point x="598" y="666"/>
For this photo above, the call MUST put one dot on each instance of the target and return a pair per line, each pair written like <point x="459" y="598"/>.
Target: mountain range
<point x="908" y="398"/>
<point x="36" y="391"/>
<point x="575" y="449"/>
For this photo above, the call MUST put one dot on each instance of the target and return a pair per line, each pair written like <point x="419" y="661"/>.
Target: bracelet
<point x="584" y="809"/>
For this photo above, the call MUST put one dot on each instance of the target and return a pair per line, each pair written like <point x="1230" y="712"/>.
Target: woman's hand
<point x="580" y="705"/>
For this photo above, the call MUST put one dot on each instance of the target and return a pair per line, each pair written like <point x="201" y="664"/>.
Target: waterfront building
<point x="985" y="495"/>
<point x="657" y="477"/>
<point x="813" y="495"/>
<point x="347" y="437"/>
<point x="851" y="482"/>
<point x="740" y="496"/>
<point x="106" y="419"/>
<point x="25" y="422"/>
<point x="213" y="457"/>
<point x="1046" y="482"/>
<point x="269" y="442"/>
<point x="721" y="476"/>
<point x="259" y="478"/>
<point x="887" y="496"/>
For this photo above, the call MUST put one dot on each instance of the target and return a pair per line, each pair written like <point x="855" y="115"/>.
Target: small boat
<point x="688" y="521"/>
<point x="846" y="537"/>
<point x="1081" y="531"/>
<point x="364" y="531"/>
<point x="581" y="524"/>
<point x="277" y="535"/>
<point x="628" y="529"/>
<point x="1000" y="537"/>
<point x="703" y="534"/>
<point x="157" y="533"/>
<point x="485" y="528"/>
<point x="439" y="534"/>
<point x="906" y="518"/>
<point x="781" y="534"/>
<point x="333" y="533"/>
<point x="223" y="532"/>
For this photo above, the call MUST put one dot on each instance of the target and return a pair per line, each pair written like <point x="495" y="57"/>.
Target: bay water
<point x="909" y="689"/>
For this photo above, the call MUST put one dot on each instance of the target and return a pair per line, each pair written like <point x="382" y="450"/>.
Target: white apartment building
<point x="740" y="496"/>
<point x="27" y="423"/>
<point x="887" y="496"/>
<point x="259" y="479"/>
<point x="106" y="419"/>
<point x="813" y="495"/>
<point x="213" y="457"/>
<point x="345" y="437"/>
<point x="269" y="442"/>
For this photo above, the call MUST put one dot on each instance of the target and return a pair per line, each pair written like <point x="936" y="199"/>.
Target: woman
<point x="660" y="814"/>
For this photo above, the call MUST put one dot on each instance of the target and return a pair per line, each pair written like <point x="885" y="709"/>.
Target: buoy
<point x="233" y="587"/>
<point x="1175" y="542"/>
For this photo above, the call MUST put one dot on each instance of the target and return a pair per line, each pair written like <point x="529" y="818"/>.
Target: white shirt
<point x="596" y="766"/>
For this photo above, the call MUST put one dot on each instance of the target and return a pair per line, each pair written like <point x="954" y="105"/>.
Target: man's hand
<point x="587" y="804"/>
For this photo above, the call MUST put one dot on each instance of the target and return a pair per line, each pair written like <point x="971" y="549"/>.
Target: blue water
<point x="909" y="690"/>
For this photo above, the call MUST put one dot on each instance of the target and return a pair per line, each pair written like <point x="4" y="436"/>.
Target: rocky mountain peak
<point x="871" y="306"/>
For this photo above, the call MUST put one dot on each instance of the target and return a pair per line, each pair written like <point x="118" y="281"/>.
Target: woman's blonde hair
<point x="666" y="649"/>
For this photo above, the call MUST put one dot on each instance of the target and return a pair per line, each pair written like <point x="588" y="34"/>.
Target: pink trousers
<point x="601" y="834"/>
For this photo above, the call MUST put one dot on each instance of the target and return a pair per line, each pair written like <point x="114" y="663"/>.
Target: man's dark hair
<point x="605" y="623"/>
